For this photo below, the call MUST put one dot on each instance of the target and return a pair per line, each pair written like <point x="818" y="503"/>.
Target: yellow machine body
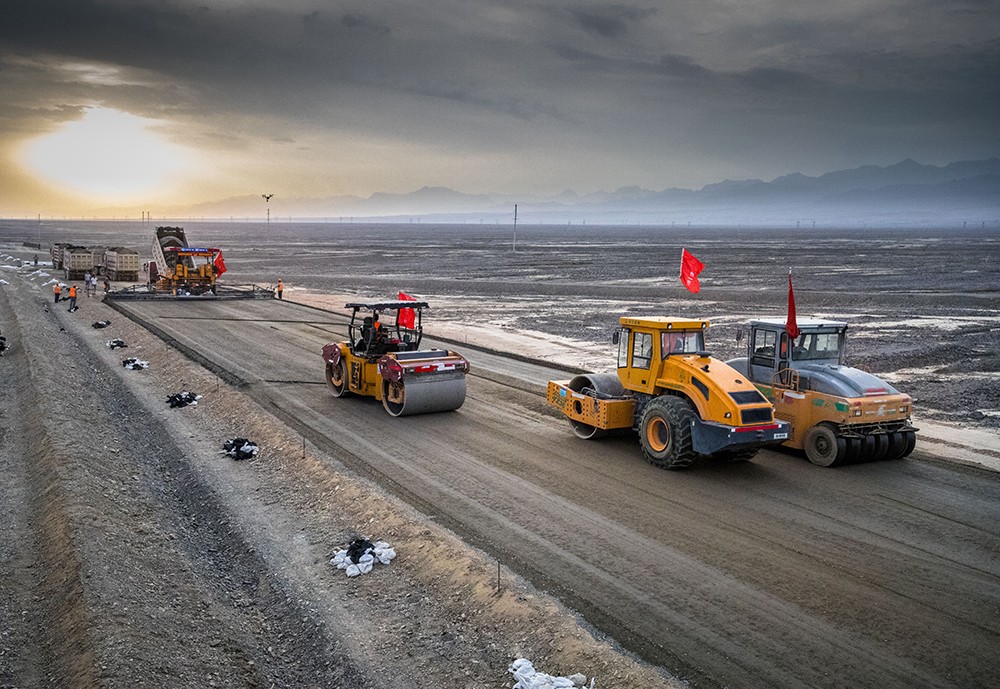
<point x="804" y="409"/>
<point x="386" y="362"/>
<point x="681" y="400"/>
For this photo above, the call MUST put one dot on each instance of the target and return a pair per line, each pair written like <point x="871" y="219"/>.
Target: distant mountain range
<point x="907" y="193"/>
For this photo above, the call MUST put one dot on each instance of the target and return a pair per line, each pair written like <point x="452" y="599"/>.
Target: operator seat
<point x="367" y="335"/>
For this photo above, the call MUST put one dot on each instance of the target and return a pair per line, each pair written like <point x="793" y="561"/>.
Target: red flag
<point x="691" y="267"/>
<point x="220" y="265"/>
<point x="790" y="325"/>
<point x="406" y="318"/>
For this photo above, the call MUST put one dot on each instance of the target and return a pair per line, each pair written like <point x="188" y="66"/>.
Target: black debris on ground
<point x="240" y="448"/>
<point x="360" y="556"/>
<point x="116" y="344"/>
<point x="183" y="399"/>
<point x="134" y="364"/>
<point x="3" y="345"/>
<point x="357" y="548"/>
<point x="100" y="324"/>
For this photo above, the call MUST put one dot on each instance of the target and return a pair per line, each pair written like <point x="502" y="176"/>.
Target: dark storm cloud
<point x="609" y="21"/>
<point x="624" y="84"/>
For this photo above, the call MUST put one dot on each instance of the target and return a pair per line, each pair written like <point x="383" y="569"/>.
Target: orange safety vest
<point x="72" y="292"/>
<point x="58" y="289"/>
<point x="281" y="285"/>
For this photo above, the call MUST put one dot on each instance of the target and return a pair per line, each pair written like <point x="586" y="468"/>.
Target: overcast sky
<point x="218" y="98"/>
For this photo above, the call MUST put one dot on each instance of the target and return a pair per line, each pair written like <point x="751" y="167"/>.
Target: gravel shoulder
<point x="138" y="555"/>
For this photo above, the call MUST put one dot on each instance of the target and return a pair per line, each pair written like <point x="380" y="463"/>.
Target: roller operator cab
<point x="681" y="401"/>
<point x="383" y="360"/>
<point x="838" y="414"/>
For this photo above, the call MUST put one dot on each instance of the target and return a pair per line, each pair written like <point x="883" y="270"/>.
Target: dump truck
<point x="56" y="252"/>
<point x="77" y="261"/>
<point x="120" y="263"/>
<point x="681" y="401"/>
<point x="181" y="268"/>
<point x="838" y="414"/>
<point x="384" y="361"/>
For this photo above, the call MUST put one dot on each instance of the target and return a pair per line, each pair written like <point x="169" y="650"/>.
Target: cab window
<point x="623" y="349"/>
<point x="642" y="350"/>
<point x="764" y="342"/>
<point x="681" y="342"/>
<point x="817" y="346"/>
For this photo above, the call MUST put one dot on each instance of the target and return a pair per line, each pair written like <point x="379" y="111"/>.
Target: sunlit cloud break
<point x="108" y="154"/>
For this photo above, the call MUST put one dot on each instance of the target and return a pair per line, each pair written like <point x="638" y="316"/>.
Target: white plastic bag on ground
<point x="529" y="678"/>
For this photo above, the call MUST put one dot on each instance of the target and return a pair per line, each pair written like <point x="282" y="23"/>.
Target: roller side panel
<point x="597" y="413"/>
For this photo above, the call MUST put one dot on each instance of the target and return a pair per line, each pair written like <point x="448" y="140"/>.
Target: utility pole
<point x="515" y="228"/>
<point x="267" y="199"/>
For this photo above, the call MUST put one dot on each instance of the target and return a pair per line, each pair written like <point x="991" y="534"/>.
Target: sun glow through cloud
<point x="107" y="155"/>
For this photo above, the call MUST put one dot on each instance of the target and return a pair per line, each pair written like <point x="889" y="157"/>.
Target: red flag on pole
<point x="406" y="318"/>
<point x="790" y="324"/>
<point x="220" y="265"/>
<point x="691" y="267"/>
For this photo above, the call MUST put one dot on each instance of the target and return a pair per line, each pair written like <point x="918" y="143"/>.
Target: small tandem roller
<point x="386" y="362"/>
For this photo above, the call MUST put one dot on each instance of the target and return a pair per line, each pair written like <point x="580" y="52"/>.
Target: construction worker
<point x="72" y="297"/>
<point x="281" y="287"/>
<point x="57" y="290"/>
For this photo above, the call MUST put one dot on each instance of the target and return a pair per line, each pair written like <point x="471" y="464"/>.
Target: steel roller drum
<point x="605" y="384"/>
<point x="426" y="394"/>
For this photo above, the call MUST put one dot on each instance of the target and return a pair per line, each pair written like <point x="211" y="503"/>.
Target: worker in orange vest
<point x="72" y="297"/>
<point x="58" y="292"/>
<point x="281" y="287"/>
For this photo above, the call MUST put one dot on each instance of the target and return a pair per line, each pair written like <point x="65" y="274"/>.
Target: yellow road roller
<point x="682" y="402"/>
<point x="383" y="360"/>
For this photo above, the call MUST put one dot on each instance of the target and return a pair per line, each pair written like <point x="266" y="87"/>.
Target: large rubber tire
<point x="882" y="446"/>
<point x="665" y="432"/>
<point x="910" y="440"/>
<point x="824" y="447"/>
<point x="853" y="452"/>
<point x="336" y="379"/>
<point x="897" y="445"/>
<point x="867" y="448"/>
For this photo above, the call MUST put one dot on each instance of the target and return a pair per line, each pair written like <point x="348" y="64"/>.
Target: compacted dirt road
<point x="775" y="573"/>
<point x="138" y="555"/>
<point x="135" y="554"/>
